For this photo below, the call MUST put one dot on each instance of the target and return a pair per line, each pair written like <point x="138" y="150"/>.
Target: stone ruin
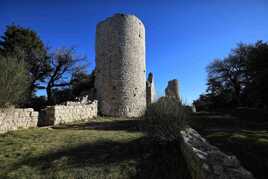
<point x="120" y="85"/>
<point x="150" y="90"/>
<point x="81" y="100"/>
<point x="71" y="111"/>
<point x="172" y="90"/>
<point x="122" y="90"/>
<point x="120" y="66"/>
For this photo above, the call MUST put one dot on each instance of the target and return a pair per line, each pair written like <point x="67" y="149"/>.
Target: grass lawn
<point x="246" y="139"/>
<point x="102" y="148"/>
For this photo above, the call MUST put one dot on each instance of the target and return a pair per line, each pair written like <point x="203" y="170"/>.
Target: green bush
<point x="164" y="119"/>
<point x="13" y="81"/>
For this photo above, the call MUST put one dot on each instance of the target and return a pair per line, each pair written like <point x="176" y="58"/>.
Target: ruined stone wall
<point x="70" y="112"/>
<point x="13" y="119"/>
<point x="172" y="89"/>
<point x="120" y="66"/>
<point x="150" y="90"/>
<point x="208" y="162"/>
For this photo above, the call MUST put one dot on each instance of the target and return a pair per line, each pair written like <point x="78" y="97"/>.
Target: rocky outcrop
<point x="70" y="112"/>
<point x="15" y="118"/>
<point x="208" y="162"/>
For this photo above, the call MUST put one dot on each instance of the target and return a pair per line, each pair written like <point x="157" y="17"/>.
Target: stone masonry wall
<point x="120" y="66"/>
<point x="172" y="89"/>
<point x="13" y="119"/>
<point x="70" y="112"/>
<point x="206" y="161"/>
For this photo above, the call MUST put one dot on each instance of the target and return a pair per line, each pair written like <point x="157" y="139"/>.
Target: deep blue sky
<point x="182" y="37"/>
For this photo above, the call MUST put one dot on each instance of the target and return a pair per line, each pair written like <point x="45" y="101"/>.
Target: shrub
<point x="13" y="81"/>
<point x="164" y="119"/>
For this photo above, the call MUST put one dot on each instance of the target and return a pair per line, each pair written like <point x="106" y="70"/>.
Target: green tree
<point x="82" y="83"/>
<point x="25" y="45"/>
<point x="13" y="81"/>
<point x="226" y="75"/>
<point x="257" y="66"/>
<point x="241" y="79"/>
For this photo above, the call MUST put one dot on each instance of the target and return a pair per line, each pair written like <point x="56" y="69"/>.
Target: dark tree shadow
<point x="131" y="125"/>
<point x="164" y="161"/>
<point x="242" y="133"/>
<point x="153" y="160"/>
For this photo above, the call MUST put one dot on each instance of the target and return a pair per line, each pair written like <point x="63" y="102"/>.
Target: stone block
<point x="208" y="162"/>
<point x="17" y="119"/>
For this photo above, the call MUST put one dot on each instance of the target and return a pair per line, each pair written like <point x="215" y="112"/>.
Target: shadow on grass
<point x="249" y="149"/>
<point x="132" y="125"/>
<point x="151" y="160"/>
<point x="243" y="135"/>
<point x="204" y="122"/>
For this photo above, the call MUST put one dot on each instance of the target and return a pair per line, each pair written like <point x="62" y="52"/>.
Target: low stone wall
<point x="206" y="161"/>
<point x="13" y="119"/>
<point x="70" y="112"/>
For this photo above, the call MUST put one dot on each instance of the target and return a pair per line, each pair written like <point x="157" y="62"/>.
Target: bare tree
<point x="63" y="63"/>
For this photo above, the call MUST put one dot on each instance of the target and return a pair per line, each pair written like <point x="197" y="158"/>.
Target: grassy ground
<point x="104" y="148"/>
<point x="246" y="139"/>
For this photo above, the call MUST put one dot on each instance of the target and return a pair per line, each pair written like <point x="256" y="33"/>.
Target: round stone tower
<point x="120" y="66"/>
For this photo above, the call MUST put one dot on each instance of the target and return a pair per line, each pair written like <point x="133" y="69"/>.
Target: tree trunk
<point x="49" y="94"/>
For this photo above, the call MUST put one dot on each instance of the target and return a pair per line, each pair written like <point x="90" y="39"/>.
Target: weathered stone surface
<point x="208" y="162"/>
<point x="172" y="90"/>
<point x="85" y="99"/>
<point x="193" y="108"/>
<point x="72" y="111"/>
<point x="13" y="119"/>
<point x="120" y="66"/>
<point x="150" y="90"/>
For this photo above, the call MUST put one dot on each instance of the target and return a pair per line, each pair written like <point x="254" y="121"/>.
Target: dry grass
<point x="104" y="148"/>
<point x="164" y="119"/>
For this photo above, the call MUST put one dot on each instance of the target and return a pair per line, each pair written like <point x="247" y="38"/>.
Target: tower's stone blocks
<point x="173" y="89"/>
<point x="120" y="66"/>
